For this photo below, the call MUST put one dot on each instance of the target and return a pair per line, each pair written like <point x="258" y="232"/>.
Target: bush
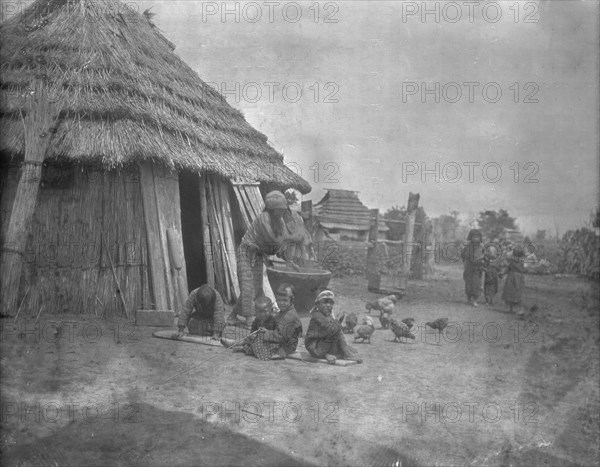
<point x="580" y="253"/>
<point x="342" y="258"/>
<point x="349" y="258"/>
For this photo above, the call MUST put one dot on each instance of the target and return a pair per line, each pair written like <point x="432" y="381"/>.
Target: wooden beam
<point x="306" y="209"/>
<point x="373" y="276"/>
<point x="208" y="250"/>
<point x="243" y="210"/>
<point x="166" y="184"/>
<point x="229" y="241"/>
<point x="216" y="208"/>
<point x="411" y="212"/>
<point x="215" y="241"/>
<point x="158" y="282"/>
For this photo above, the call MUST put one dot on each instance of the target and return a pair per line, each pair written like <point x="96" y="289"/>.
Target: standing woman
<point x="515" y="281"/>
<point x="472" y="256"/>
<point x="277" y="231"/>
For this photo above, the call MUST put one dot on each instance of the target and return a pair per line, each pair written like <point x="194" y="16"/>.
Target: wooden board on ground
<point x="306" y="357"/>
<point x="206" y="340"/>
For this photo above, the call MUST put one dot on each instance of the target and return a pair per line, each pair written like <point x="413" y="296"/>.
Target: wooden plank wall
<point x="73" y="232"/>
<point x="166" y="184"/>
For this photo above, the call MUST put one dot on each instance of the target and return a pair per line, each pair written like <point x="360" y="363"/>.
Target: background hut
<point x="118" y="163"/>
<point x="344" y="216"/>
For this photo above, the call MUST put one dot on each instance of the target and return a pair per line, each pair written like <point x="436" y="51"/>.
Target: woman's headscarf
<point x="276" y="200"/>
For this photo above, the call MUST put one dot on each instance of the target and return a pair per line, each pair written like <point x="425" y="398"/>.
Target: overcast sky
<point x="361" y="67"/>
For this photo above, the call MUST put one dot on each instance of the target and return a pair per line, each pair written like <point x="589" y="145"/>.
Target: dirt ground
<point x="493" y="390"/>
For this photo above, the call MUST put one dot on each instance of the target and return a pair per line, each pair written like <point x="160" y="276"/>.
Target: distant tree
<point x="596" y="219"/>
<point x="493" y="223"/>
<point x="446" y="226"/>
<point x="397" y="229"/>
<point x="540" y="235"/>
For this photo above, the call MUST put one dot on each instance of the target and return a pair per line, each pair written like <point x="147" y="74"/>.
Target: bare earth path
<point x="491" y="390"/>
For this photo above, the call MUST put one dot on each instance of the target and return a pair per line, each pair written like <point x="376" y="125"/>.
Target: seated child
<point x="289" y="327"/>
<point x="264" y="319"/>
<point x="324" y="337"/>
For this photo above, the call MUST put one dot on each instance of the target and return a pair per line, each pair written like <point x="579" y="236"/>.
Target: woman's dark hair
<point x="474" y="233"/>
<point x="284" y="287"/>
<point x="205" y="300"/>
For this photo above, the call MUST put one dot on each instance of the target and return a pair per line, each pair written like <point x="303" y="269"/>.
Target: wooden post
<point x="373" y="276"/>
<point x="430" y="249"/>
<point x="39" y="125"/>
<point x="208" y="251"/>
<point x="411" y="212"/>
<point x="306" y="208"/>
<point x="217" y="226"/>
<point x="230" y="252"/>
<point x="158" y="282"/>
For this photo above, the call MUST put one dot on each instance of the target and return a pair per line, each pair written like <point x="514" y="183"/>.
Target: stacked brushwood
<point x="342" y="258"/>
<point x="580" y="253"/>
<point x="349" y="258"/>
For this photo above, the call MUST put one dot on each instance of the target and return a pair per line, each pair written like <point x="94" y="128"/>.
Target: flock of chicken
<point x="385" y="306"/>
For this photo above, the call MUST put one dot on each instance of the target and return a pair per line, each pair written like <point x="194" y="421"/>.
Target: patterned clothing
<point x="287" y="332"/>
<point x="261" y="241"/>
<point x="255" y="345"/>
<point x="201" y="317"/>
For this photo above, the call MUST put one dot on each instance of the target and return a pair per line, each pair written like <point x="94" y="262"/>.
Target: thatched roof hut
<point x="343" y="214"/>
<point x="123" y="142"/>
<point x="126" y="97"/>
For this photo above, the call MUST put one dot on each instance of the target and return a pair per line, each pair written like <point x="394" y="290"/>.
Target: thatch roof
<point x="125" y="96"/>
<point x="343" y="210"/>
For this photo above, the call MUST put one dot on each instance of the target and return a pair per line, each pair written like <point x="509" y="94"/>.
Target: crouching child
<point x="324" y="337"/>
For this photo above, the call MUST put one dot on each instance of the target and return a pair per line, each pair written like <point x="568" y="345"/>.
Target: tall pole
<point x="411" y="212"/>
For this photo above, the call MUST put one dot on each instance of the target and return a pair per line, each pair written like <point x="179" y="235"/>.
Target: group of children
<point x="479" y="261"/>
<point x="273" y="335"/>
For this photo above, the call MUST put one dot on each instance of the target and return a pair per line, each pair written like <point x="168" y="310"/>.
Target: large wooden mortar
<point x="307" y="282"/>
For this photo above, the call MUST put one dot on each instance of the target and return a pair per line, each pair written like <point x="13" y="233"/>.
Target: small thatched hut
<point x="118" y="165"/>
<point x="344" y="216"/>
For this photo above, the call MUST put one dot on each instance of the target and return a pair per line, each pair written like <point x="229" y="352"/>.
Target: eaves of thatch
<point x="124" y="95"/>
<point x="342" y="209"/>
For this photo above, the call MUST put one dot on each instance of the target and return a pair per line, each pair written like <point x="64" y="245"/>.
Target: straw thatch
<point x="341" y="209"/>
<point x="126" y="97"/>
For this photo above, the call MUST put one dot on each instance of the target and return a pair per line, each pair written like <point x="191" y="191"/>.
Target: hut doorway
<point x="191" y="229"/>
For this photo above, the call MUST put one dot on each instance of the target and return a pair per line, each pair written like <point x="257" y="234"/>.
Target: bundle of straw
<point x="42" y="110"/>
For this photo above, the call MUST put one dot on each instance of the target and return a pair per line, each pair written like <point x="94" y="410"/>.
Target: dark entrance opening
<point x="191" y="229"/>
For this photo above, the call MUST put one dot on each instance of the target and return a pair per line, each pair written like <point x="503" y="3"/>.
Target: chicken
<point x="410" y="322"/>
<point x="351" y="322"/>
<point x="400" y="329"/>
<point x="384" y="319"/>
<point x="385" y="303"/>
<point x="365" y="331"/>
<point x="439" y="324"/>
